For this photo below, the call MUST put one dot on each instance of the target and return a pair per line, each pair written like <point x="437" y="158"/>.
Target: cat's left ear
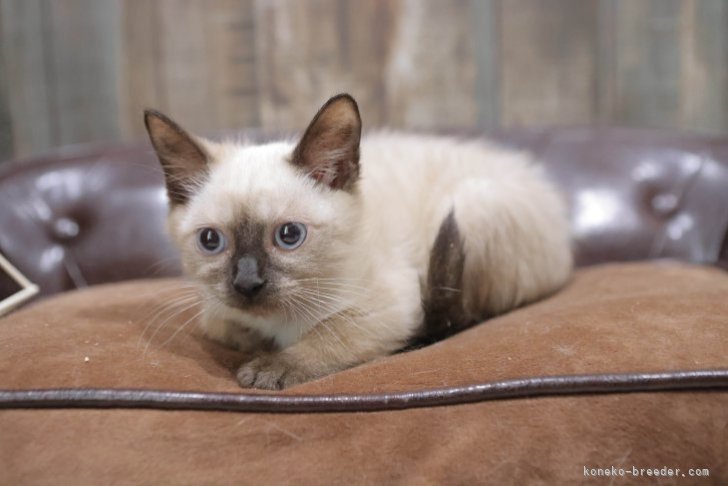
<point x="183" y="158"/>
<point x="329" y="149"/>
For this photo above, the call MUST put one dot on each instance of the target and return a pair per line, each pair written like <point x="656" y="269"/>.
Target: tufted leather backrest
<point x="638" y="194"/>
<point x="85" y="216"/>
<point x="89" y="215"/>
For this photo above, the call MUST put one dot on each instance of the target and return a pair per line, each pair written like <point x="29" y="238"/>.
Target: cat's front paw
<point x="272" y="371"/>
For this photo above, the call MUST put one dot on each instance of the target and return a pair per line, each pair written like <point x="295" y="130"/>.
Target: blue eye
<point x="210" y="241"/>
<point x="290" y="236"/>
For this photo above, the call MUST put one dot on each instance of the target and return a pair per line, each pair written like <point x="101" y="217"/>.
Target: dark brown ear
<point x="184" y="161"/>
<point x="329" y="149"/>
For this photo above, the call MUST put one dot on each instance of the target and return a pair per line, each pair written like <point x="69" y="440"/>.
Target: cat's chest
<point x="275" y="327"/>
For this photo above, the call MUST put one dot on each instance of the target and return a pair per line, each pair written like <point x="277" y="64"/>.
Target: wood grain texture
<point x="193" y="60"/>
<point x="606" y="62"/>
<point x="231" y="58"/>
<point x="83" y="70"/>
<point x="548" y="73"/>
<point x="309" y="51"/>
<point x="431" y="70"/>
<point x="82" y="62"/>
<point x="140" y="86"/>
<point x="6" y="128"/>
<point x="486" y="32"/>
<point x="183" y="63"/>
<point x="26" y="76"/>
<point x="704" y="81"/>
<point x="648" y="63"/>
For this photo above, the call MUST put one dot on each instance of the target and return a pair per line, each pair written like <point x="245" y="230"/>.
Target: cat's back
<point x="409" y="174"/>
<point x="392" y="160"/>
<point x="410" y="182"/>
<point x="511" y="218"/>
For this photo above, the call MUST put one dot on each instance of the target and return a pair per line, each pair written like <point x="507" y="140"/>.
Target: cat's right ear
<point x="183" y="159"/>
<point x="329" y="149"/>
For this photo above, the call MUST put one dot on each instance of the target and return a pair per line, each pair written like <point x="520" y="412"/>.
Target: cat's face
<point x="260" y="231"/>
<point x="265" y="227"/>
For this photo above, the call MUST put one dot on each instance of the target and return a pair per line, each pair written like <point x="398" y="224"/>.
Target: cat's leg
<point x="516" y="239"/>
<point x="340" y="342"/>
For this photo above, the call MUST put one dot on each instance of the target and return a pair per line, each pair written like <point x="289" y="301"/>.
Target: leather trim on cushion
<point x="276" y="403"/>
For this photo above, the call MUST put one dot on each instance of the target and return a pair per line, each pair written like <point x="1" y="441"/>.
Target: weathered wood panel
<point x="432" y="58"/>
<point x="6" y="129"/>
<point x="191" y="59"/>
<point x="183" y="60"/>
<point x="24" y="55"/>
<point x="308" y="51"/>
<point x="704" y="82"/>
<point x="606" y="62"/>
<point x="140" y="86"/>
<point x="392" y="56"/>
<point x="83" y="69"/>
<point x="548" y="68"/>
<point x="486" y="34"/>
<point x="231" y="32"/>
<point x="648" y="63"/>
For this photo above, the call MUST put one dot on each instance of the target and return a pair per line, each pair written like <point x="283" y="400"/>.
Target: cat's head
<point x="265" y="227"/>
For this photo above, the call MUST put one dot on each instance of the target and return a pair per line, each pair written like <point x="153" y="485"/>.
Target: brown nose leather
<point x="247" y="280"/>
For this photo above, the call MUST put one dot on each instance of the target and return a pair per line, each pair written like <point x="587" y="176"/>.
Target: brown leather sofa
<point x="626" y="367"/>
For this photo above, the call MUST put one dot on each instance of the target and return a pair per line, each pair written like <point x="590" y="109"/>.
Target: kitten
<point x="312" y="262"/>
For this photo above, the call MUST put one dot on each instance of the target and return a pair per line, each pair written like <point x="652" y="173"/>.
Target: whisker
<point x="293" y="304"/>
<point x="447" y="289"/>
<point x="342" y="292"/>
<point x="186" y="323"/>
<point x="346" y="298"/>
<point x="305" y="304"/>
<point x="332" y="303"/>
<point x="165" y="307"/>
<point x="301" y="302"/>
<point x="162" y="325"/>
<point x="327" y="303"/>
<point x="161" y="265"/>
<point x="328" y="328"/>
<point x="338" y="286"/>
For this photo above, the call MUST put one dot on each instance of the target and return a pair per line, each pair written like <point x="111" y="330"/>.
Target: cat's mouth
<point x="260" y="305"/>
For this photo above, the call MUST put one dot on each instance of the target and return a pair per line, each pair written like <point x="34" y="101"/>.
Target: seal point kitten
<point x="316" y="255"/>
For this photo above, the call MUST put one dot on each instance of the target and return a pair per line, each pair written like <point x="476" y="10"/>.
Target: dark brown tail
<point x="443" y="295"/>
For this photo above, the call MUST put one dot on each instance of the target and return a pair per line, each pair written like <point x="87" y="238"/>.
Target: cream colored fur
<point x="377" y="240"/>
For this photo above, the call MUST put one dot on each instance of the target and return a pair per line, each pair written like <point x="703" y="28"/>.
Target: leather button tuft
<point x="664" y="204"/>
<point x="65" y="229"/>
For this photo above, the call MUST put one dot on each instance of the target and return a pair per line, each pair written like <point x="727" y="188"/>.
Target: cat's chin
<point x="256" y="309"/>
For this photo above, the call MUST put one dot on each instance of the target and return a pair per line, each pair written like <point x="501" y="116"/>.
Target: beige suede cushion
<point x="614" y="318"/>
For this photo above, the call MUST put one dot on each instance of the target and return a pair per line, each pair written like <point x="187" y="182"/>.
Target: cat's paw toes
<point x="270" y="371"/>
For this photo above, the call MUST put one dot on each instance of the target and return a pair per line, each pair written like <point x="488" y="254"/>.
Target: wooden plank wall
<point x="6" y="134"/>
<point x="82" y="70"/>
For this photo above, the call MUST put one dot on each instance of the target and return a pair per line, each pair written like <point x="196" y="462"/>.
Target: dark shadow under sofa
<point x="625" y="371"/>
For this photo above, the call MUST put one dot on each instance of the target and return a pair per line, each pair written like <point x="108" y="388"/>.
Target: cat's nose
<point x="247" y="280"/>
<point x="249" y="287"/>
